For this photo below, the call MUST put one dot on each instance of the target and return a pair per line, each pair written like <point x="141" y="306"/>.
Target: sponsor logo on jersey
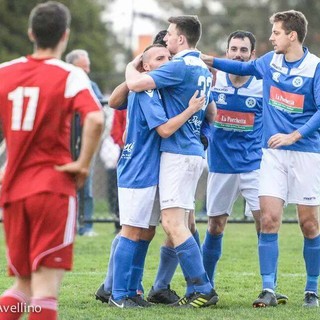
<point x="286" y="101"/>
<point x="279" y="68"/>
<point x="223" y="89"/>
<point x="128" y="147"/>
<point x="276" y="76"/>
<point x="196" y="124"/>
<point x="232" y="120"/>
<point x="222" y="98"/>
<point x="251" y="102"/>
<point x="127" y="150"/>
<point x="297" y="82"/>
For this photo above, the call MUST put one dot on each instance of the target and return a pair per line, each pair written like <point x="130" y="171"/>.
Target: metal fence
<point x="104" y="213"/>
<point x="105" y="190"/>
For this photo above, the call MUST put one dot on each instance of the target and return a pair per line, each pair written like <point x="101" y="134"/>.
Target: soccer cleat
<point x="140" y="293"/>
<point x="198" y="300"/>
<point x="141" y="302"/>
<point x="182" y="301"/>
<point x="102" y="295"/>
<point x="281" y="298"/>
<point x="311" y="300"/>
<point x="265" y="299"/>
<point x="163" y="296"/>
<point x="124" y="303"/>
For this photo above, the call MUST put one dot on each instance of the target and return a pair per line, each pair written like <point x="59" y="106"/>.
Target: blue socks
<point x="211" y="253"/>
<point x="109" y="277"/>
<point x="167" y="267"/>
<point x="137" y="267"/>
<point x="268" y="258"/>
<point x="311" y="254"/>
<point x="192" y="267"/>
<point x="122" y="267"/>
<point x="197" y="238"/>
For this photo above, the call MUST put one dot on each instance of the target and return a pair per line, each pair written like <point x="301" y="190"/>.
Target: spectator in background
<point x="80" y="58"/>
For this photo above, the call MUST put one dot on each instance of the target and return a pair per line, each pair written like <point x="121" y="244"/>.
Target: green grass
<point x="237" y="280"/>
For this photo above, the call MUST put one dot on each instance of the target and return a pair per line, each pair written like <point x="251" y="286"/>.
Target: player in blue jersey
<point x="234" y="151"/>
<point x="182" y="153"/>
<point x="138" y="175"/>
<point x="160" y="291"/>
<point x="290" y="167"/>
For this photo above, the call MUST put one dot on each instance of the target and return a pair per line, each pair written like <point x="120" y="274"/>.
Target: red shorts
<point x="39" y="231"/>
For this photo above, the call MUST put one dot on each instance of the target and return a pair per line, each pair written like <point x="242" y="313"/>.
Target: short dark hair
<point x="48" y="21"/>
<point x="154" y="45"/>
<point x="292" y="20"/>
<point x="159" y="37"/>
<point x="189" y="26"/>
<point x="241" y="34"/>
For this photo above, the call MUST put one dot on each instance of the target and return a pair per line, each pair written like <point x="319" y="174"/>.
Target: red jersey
<point x="37" y="100"/>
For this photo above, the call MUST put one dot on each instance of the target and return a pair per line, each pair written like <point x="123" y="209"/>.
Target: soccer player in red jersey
<point x="38" y="95"/>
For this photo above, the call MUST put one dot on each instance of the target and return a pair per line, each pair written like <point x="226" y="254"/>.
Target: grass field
<point x="237" y="280"/>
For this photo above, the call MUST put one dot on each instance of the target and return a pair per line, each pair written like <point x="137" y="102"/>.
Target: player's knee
<point x="148" y="234"/>
<point x="216" y="225"/>
<point x="309" y="228"/>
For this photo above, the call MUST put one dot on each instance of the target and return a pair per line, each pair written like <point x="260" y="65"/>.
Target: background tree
<point x="221" y="17"/>
<point x="87" y="32"/>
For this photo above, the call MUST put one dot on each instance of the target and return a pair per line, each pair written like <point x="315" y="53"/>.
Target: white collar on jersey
<point x="185" y="52"/>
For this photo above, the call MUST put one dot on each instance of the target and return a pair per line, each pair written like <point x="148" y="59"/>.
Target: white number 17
<point x="18" y="97"/>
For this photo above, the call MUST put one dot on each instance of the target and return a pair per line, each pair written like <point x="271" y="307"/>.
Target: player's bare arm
<point x="211" y="112"/>
<point x="173" y="124"/>
<point x="119" y="96"/>
<point x="208" y="60"/>
<point x="137" y="81"/>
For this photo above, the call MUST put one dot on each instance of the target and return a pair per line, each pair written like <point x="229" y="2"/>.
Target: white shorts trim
<point x="139" y="207"/>
<point x="292" y="176"/>
<point x="179" y="175"/>
<point x="223" y="190"/>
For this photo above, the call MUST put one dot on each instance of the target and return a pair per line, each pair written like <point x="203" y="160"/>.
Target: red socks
<point x="43" y="308"/>
<point x="13" y="304"/>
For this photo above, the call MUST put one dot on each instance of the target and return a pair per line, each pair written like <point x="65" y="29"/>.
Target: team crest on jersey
<point x="297" y="82"/>
<point x="222" y="98"/>
<point x="276" y="76"/>
<point x="251" y="102"/>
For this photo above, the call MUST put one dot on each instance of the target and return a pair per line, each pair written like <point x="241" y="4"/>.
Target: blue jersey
<point x="236" y="135"/>
<point x="178" y="80"/>
<point x="291" y="96"/>
<point x="139" y="163"/>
